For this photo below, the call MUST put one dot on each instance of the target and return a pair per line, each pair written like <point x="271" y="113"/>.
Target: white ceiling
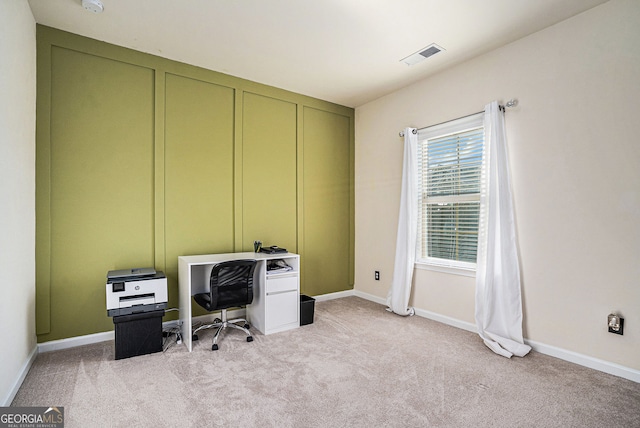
<point x="344" y="51"/>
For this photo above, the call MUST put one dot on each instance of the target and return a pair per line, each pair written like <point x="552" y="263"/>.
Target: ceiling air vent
<point x="422" y="54"/>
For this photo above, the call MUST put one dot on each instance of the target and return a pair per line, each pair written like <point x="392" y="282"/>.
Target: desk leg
<point x="184" y="294"/>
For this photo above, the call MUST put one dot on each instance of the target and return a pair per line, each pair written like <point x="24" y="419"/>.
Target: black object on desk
<point x="274" y="249"/>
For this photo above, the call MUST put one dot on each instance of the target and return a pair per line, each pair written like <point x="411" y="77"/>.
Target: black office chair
<point x="231" y="286"/>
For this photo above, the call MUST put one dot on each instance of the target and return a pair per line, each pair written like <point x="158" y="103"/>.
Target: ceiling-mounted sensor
<point x="94" y="6"/>
<point x="422" y="54"/>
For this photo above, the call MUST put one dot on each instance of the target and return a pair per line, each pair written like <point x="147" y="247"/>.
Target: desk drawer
<point x="277" y="285"/>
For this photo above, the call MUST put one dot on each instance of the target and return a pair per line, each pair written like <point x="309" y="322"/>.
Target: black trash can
<point x="307" y="305"/>
<point x="138" y="334"/>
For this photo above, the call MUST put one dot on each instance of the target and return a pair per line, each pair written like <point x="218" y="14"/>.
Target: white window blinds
<point x="449" y="168"/>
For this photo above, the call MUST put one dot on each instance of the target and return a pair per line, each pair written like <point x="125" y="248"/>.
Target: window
<point x="449" y="168"/>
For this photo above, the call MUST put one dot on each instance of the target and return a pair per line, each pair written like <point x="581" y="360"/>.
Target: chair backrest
<point x="231" y="283"/>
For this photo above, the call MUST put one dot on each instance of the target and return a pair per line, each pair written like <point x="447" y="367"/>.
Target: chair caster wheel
<point x="247" y="326"/>
<point x="250" y="339"/>
<point x="214" y="347"/>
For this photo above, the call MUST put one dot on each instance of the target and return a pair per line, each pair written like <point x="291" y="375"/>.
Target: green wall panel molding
<point x="140" y="159"/>
<point x="51" y="36"/>
<point x="328" y="234"/>
<point x="101" y="159"/>
<point x="199" y="208"/>
<point x="43" y="190"/>
<point x="269" y="172"/>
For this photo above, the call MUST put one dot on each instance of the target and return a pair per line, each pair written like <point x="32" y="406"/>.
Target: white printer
<point x="131" y="291"/>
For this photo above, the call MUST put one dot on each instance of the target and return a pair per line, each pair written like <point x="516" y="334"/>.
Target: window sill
<point x="471" y="272"/>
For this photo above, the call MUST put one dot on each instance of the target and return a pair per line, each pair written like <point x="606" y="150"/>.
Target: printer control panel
<point x="117" y="287"/>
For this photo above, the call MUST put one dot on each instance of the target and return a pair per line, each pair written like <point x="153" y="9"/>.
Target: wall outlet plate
<point x="620" y="329"/>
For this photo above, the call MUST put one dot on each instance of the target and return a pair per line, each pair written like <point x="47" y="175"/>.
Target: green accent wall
<point x="140" y="159"/>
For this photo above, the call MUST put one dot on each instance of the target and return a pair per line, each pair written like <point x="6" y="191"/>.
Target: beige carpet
<point x="355" y="366"/>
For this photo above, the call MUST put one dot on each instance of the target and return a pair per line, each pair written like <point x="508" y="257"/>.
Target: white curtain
<point x="398" y="297"/>
<point x="498" y="299"/>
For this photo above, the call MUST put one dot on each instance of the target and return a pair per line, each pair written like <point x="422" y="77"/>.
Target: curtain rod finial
<point x="414" y="131"/>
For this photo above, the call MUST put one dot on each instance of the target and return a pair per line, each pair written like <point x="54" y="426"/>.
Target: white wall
<point x="575" y="162"/>
<point x="17" y="193"/>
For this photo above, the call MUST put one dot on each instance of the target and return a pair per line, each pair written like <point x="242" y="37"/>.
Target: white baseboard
<point x="563" y="354"/>
<point x="586" y="361"/>
<point x="21" y="375"/>
<point x="331" y="296"/>
<point x="72" y="342"/>
<point x="370" y="297"/>
<point x="423" y="313"/>
<point x="464" y="325"/>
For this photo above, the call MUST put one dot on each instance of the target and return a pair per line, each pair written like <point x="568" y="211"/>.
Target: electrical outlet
<point x="615" y="324"/>
<point x="377" y="275"/>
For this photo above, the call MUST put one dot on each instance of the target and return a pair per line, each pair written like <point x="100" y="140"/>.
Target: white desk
<point x="276" y="296"/>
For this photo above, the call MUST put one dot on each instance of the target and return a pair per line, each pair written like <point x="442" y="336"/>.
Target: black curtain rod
<point x="510" y="103"/>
